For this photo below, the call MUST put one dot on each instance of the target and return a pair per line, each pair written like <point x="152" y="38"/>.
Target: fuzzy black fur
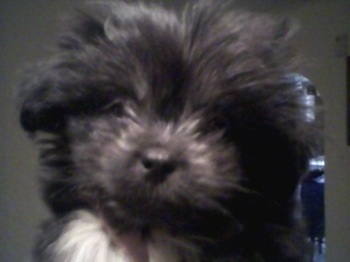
<point x="181" y="123"/>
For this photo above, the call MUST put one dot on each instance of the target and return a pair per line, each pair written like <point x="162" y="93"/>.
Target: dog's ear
<point x="84" y="29"/>
<point x="41" y="101"/>
<point x="261" y="111"/>
<point x="52" y="90"/>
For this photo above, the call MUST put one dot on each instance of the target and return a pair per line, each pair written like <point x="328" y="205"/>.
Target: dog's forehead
<point x="167" y="63"/>
<point x="149" y="42"/>
<point x="139" y="19"/>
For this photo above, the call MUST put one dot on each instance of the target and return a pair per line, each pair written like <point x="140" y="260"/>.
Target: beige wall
<point x="321" y="21"/>
<point x="27" y="26"/>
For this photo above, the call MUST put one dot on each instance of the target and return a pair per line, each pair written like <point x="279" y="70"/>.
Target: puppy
<point x="168" y="137"/>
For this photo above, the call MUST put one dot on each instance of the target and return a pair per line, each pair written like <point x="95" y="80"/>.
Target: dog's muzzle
<point x="156" y="163"/>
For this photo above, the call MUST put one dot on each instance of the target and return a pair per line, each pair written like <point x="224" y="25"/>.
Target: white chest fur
<point x="86" y="240"/>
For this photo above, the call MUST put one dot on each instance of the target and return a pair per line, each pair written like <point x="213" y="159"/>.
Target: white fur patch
<point x="85" y="239"/>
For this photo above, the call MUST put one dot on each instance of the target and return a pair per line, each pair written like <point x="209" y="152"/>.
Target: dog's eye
<point x="116" y="108"/>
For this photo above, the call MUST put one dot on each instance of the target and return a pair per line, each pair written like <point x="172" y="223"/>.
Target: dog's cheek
<point x="93" y="165"/>
<point x="102" y="152"/>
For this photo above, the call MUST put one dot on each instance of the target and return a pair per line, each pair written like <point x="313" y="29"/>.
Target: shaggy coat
<point x="169" y="137"/>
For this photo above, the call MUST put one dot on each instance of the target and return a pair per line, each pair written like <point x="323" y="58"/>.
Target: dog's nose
<point x="157" y="163"/>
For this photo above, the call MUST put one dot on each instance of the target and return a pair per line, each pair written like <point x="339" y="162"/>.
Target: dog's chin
<point x="166" y="213"/>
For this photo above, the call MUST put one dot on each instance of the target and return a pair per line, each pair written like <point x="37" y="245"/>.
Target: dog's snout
<point x="157" y="163"/>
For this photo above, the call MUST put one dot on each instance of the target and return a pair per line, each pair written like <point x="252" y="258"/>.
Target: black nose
<point x="157" y="163"/>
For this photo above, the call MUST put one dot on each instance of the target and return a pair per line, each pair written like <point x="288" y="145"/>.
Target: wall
<point x="321" y="21"/>
<point x="28" y="26"/>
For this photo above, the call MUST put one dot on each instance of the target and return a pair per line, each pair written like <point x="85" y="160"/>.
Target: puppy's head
<point x="164" y="121"/>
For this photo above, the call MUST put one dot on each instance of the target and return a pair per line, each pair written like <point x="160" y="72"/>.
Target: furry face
<point x="152" y="123"/>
